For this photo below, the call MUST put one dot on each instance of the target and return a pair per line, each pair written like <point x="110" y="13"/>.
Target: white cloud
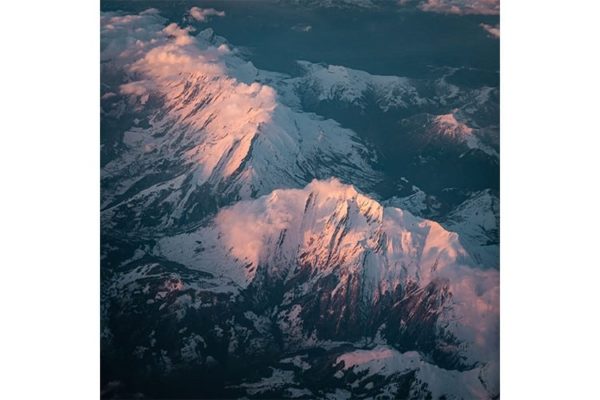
<point x="302" y="28"/>
<point x="138" y="90"/>
<point x="493" y="30"/>
<point x="124" y="36"/>
<point x="202" y="14"/>
<point x="142" y="44"/>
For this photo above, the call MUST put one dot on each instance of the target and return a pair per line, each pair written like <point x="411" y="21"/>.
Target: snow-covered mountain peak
<point x="332" y="190"/>
<point x="327" y="226"/>
<point x="447" y="125"/>
<point x="208" y="127"/>
<point x="328" y="238"/>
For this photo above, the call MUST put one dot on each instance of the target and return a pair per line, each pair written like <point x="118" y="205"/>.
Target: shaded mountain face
<point x="271" y="234"/>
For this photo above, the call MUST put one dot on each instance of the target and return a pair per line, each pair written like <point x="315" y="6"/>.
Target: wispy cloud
<point x="302" y="28"/>
<point x="202" y="14"/>
<point x="493" y="30"/>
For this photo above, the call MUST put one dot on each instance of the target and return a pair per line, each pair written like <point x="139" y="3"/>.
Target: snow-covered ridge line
<point x="453" y="7"/>
<point x="328" y="225"/>
<point x="448" y="108"/>
<point x="459" y="7"/>
<point x="329" y="232"/>
<point x="207" y="128"/>
<point x="334" y="82"/>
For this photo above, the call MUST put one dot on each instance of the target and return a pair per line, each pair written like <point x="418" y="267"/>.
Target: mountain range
<point x="259" y="242"/>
